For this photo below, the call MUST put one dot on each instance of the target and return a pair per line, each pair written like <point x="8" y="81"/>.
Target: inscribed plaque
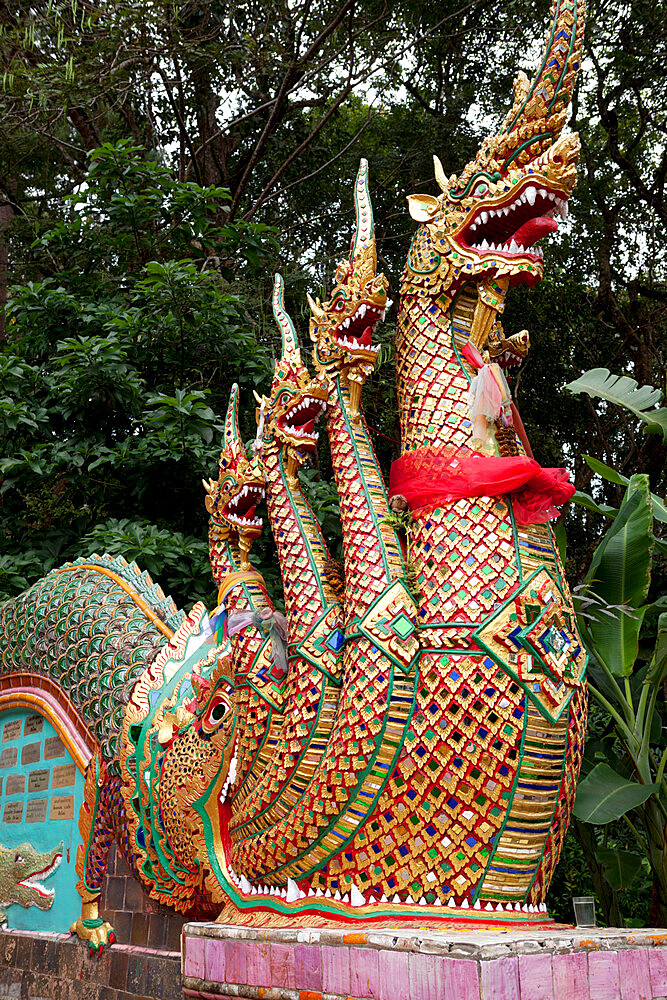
<point x="36" y="811"/>
<point x="33" y="724"/>
<point x="53" y="747"/>
<point x="31" y="752"/>
<point x="9" y="757"/>
<point x="12" y="730"/>
<point x="38" y="781"/>
<point x="62" y="807"/>
<point x="15" y="784"/>
<point x="13" y="813"/>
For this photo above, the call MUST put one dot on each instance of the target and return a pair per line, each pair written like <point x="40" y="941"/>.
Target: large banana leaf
<point x="623" y="390"/>
<point x="620" y="574"/>
<point x="620" y="868"/>
<point x="604" y="795"/>
<point x="612" y="476"/>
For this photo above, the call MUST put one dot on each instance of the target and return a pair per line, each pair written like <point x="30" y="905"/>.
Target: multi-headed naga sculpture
<point x="404" y="743"/>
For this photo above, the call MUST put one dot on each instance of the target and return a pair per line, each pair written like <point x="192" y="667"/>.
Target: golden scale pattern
<point x="492" y="742"/>
<point x="311" y="696"/>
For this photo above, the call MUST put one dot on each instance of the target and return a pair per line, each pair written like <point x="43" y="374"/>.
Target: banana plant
<point x="629" y="686"/>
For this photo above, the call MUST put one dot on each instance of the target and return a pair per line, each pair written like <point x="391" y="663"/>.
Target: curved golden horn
<point x="290" y="343"/>
<point x="540" y="107"/>
<point x="233" y="445"/>
<point x="363" y="244"/>
<point x="316" y="308"/>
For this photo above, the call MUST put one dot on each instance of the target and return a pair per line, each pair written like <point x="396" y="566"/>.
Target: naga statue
<point x="403" y="743"/>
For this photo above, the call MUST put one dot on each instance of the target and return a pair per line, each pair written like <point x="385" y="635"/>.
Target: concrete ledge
<point x="342" y="963"/>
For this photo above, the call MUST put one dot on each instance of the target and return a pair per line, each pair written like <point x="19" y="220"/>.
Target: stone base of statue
<point x="346" y="963"/>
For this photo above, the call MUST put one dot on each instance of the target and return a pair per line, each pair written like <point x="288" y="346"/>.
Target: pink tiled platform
<point x="344" y="963"/>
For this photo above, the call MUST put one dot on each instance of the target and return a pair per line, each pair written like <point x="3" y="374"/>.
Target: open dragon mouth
<point x="356" y="332"/>
<point x="31" y="881"/>
<point x="299" y="421"/>
<point x="513" y="229"/>
<point x="241" y="509"/>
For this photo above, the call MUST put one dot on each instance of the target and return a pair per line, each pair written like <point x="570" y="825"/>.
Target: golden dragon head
<point x="485" y="224"/>
<point x="342" y="327"/>
<point x="287" y="416"/>
<point x="232" y="498"/>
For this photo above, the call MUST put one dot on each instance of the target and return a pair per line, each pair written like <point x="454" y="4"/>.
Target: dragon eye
<point x="480" y="189"/>
<point x="19" y="859"/>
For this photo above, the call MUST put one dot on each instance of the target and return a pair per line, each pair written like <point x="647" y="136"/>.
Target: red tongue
<point x="308" y="426"/>
<point x="365" y="339"/>
<point x="250" y="513"/>
<point x="533" y="230"/>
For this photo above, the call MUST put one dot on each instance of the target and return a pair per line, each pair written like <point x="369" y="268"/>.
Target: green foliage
<point x="604" y="795"/>
<point x="115" y="373"/>
<point x="623" y="391"/>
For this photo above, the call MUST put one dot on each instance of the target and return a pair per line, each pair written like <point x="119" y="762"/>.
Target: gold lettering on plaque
<point x="62" y="807"/>
<point x="12" y="730"/>
<point x="15" y="784"/>
<point x="13" y="813"/>
<point x="38" y="781"/>
<point x="36" y="811"/>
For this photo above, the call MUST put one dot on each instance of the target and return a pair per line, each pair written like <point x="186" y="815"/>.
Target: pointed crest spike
<point x="440" y="175"/>
<point x="290" y="343"/>
<point x="364" y="236"/>
<point x="315" y="307"/>
<point x="233" y="443"/>
<point x="258" y="398"/>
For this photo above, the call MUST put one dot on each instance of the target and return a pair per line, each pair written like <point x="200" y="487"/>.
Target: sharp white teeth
<point x="383" y="312"/>
<point x="362" y="310"/>
<point x="484" y="245"/>
<point x="473" y="227"/>
<point x="551" y="195"/>
<point x="514" y="247"/>
<point x="484" y="216"/>
<point x="499" y="907"/>
<point x="531" y="195"/>
<point x="544" y="193"/>
<point x="489" y="906"/>
<point x="438" y="901"/>
<point x="396" y="898"/>
<point x="245" y="885"/>
<point x="383" y="898"/>
<point x="492" y="246"/>
<point x="451" y="904"/>
<point x="465" y="905"/>
<point x="477" y="905"/>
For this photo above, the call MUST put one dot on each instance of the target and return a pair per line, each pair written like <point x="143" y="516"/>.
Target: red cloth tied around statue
<point x="430" y="477"/>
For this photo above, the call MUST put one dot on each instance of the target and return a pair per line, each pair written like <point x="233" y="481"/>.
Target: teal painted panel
<point x="41" y="791"/>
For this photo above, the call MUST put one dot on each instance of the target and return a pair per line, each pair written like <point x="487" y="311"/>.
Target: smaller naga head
<point x="231" y="500"/>
<point x="193" y="751"/>
<point x="287" y="416"/>
<point x="23" y="871"/>
<point x="342" y="327"/>
<point x="485" y="225"/>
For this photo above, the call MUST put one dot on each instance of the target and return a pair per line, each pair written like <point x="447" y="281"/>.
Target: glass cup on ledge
<point x="584" y="911"/>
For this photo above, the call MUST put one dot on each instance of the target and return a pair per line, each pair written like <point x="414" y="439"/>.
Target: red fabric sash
<point x="430" y="477"/>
